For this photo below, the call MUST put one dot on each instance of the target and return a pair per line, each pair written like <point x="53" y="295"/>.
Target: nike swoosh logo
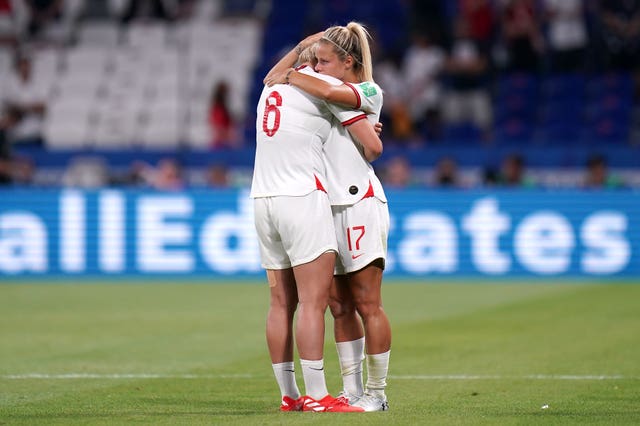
<point x="317" y="369"/>
<point x="355" y="256"/>
<point x="291" y="371"/>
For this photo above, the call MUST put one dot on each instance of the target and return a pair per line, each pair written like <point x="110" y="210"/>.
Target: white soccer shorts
<point x="362" y="232"/>
<point x="294" y="230"/>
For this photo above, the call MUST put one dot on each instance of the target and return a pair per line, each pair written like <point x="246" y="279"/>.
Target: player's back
<point x="291" y="128"/>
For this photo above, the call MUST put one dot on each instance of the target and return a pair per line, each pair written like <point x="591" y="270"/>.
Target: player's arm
<point x="291" y="58"/>
<point x="342" y="94"/>
<point x="365" y="133"/>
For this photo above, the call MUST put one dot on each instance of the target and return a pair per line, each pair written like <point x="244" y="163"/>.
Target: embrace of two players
<point x="322" y="219"/>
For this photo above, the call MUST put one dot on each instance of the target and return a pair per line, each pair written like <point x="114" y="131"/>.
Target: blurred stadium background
<point x="128" y="132"/>
<point x="511" y="163"/>
<point x="469" y="84"/>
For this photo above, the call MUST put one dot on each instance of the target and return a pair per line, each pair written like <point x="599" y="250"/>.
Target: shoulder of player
<point x="368" y="88"/>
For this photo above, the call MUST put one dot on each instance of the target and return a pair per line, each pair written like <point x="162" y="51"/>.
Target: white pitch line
<point x="573" y="377"/>
<point x="525" y="377"/>
<point x="124" y="376"/>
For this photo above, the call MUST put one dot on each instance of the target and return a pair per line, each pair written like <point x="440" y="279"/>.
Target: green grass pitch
<point x="534" y="352"/>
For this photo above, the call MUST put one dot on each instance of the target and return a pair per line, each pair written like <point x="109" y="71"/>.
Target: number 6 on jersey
<point x="272" y="114"/>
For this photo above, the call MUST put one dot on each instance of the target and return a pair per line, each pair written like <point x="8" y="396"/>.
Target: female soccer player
<point x="360" y="214"/>
<point x="296" y="236"/>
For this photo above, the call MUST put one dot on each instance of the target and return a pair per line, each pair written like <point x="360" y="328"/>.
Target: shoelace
<point x="342" y="400"/>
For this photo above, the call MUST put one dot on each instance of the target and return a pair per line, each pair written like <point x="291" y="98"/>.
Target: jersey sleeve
<point x="346" y="115"/>
<point x="369" y="97"/>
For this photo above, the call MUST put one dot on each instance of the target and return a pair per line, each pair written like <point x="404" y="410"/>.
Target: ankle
<point x="378" y="393"/>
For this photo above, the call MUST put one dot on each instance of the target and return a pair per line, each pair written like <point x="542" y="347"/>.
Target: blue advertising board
<point x="210" y="233"/>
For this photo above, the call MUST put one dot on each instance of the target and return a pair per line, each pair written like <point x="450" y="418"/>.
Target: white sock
<point x="286" y="378"/>
<point x="314" y="382"/>
<point x="377" y="369"/>
<point x="351" y="355"/>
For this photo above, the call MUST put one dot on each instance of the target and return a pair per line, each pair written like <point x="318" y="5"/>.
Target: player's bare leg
<point x="313" y="282"/>
<point x="349" y="336"/>
<point x="365" y="287"/>
<point x="282" y="307"/>
<point x="347" y="323"/>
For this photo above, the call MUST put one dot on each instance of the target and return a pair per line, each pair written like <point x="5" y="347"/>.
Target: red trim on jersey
<point x="299" y="67"/>
<point x="354" y="119"/>
<point x="359" y="104"/>
<point x="369" y="192"/>
<point x="319" y="186"/>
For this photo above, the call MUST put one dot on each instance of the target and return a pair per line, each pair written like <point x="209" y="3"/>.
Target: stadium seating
<point x="106" y="73"/>
<point x="147" y="85"/>
<point x="98" y="33"/>
<point x="67" y="125"/>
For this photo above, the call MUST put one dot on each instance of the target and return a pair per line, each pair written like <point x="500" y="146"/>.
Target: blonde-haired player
<point x="360" y="214"/>
<point x="297" y="240"/>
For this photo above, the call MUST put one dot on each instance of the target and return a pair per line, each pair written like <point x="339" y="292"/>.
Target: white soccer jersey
<point x="350" y="176"/>
<point x="291" y="127"/>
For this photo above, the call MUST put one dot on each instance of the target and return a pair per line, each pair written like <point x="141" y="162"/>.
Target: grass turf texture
<point x="196" y="354"/>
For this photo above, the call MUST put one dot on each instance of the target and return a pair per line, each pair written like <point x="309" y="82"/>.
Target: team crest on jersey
<point x="368" y="89"/>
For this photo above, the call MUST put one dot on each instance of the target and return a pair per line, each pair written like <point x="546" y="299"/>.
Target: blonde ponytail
<point x="363" y="37"/>
<point x="352" y="40"/>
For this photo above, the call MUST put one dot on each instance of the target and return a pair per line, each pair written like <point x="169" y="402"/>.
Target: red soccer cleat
<point x="329" y="404"/>
<point x="290" y="404"/>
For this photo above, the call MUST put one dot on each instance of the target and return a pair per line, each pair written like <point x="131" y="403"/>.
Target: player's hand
<point x="309" y="40"/>
<point x="277" y="78"/>
<point x="378" y="128"/>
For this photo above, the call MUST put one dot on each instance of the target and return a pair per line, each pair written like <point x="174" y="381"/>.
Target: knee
<point x="368" y="309"/>
<point x="340" y="308"/>
<point x="284" y="306"/>
<point x="283" y="310"/>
